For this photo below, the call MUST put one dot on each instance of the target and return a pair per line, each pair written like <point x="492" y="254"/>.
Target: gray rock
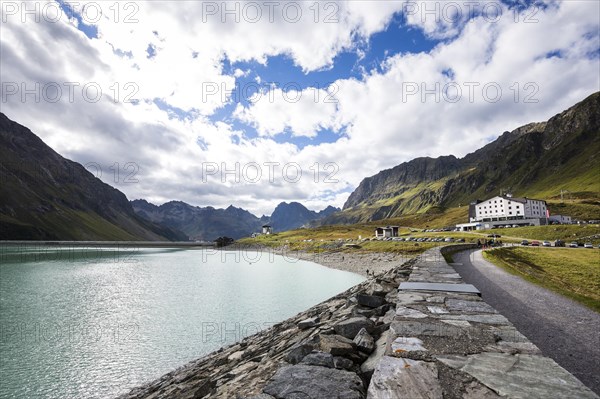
<point x="407" y="344"/>
<point x="370" y="301"/>
<point x="350" y="327"/>
<point x="403" y="311"/>
<point x="342" y="363"/>
<point x="260" y="396"/>
<point x="381" y="288"/>
<point x="313" y="382"/>
<point x="514" y="347"/>
<point x="392" y="296"/>
<point x="415" y="329"/>
<point x="437" y="310"/>
<point x="318" y="359"/>
<point x="457" y="305"/>
<point x="436" y="299"/>
<point x="407" y="298"/>
<point x="203" y="388"/>
<point x="520" y="376"/>
<point x="366" y="312"/>
<point x="337" y="345"/>
<point x="308" y="323"/>
<point x="396" y="378"/>
<point x="480" y="318"/>
<point x="369" y="365"/>
<point x="364" y="342"/>
<point x="298" y="352"/>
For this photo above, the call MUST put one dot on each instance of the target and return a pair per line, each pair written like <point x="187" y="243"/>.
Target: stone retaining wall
<point x="378" y="341"/>
<point x="454" y="345"/>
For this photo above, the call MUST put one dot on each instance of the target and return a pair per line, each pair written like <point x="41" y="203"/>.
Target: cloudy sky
<point x="254" y="103"/>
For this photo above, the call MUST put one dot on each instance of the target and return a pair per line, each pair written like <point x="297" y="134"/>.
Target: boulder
<point x="376" y="289"/>
<point x="342" y="363"/>
<point x="350" y="327"/>
<point x="303" y="381"/>
<point x="337" y="345"/>
<point x="364" y="342"/>
<point x="318" y="359"/>
<point x="405" y="378"/>
<point x="368" y="367"/>
<point x="298" y="352"/>
<point x="308" y="323"/>
<point x="370" y="301"/>
<point x="366" y="312"/>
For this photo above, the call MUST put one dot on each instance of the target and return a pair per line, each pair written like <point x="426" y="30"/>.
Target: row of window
<point x="510" y="213"/>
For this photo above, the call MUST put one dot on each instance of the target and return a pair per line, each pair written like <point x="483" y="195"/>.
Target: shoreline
<point x="366" y="264"/>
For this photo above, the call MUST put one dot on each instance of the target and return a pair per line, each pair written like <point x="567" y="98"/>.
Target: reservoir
<point x="94" y="322"/>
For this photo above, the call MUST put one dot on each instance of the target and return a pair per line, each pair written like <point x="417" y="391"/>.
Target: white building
<point x="508" y="208"/>
<point x="504" y="211"/>
<point x="561" y="219"/>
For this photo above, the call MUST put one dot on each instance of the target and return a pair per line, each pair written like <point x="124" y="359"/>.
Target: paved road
<point x="565" y="331"/>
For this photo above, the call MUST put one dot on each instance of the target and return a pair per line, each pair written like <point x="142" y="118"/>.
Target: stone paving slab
<point x="445" y="341"/>
<point x="444" y="287"/>
<point x="520" y="376"/>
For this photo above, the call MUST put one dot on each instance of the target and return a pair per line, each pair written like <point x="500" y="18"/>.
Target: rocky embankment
<point x="381" y="339"/>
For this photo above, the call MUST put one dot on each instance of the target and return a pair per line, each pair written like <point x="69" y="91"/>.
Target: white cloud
<point x="304" y="112"/>
<point x="381" y="127"/>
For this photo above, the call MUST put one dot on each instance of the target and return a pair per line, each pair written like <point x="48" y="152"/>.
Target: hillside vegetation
<point x="572" y="272"/>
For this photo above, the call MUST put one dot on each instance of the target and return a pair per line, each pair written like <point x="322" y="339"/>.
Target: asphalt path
<point x="564" y="330"/>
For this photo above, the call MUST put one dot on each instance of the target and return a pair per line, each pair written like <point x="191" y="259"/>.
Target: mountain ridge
<point x="536" y="159"/>
<point x="46" y="196"/>
<point x="208" y="223"/>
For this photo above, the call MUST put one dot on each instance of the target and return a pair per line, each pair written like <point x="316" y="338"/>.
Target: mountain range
<point x="44" y="196"/>
<point x="208" y="223"/>
<point x="537" y="160"/>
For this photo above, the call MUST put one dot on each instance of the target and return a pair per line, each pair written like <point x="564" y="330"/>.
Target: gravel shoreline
<point x="364" y="263"/>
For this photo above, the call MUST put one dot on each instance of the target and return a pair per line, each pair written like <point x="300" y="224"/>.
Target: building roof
<point x="515" y="199"/>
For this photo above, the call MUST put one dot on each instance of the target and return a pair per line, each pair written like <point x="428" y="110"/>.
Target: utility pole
<point x="562" y="192"/>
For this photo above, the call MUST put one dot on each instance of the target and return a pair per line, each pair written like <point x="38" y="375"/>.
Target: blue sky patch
<point x="91" y="31"/>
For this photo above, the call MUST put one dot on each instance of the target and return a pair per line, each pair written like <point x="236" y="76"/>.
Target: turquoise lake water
<point x="94" y="323"/>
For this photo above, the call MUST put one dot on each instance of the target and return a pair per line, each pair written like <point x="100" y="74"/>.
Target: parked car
<point x="547" y="244"/>
<point x="559" y="243"/>
<point x="535" y="243"/>
<point x="460" y="240"/>
<point x="449" y="239"/>
<point x="515" y="225"/>
<point x="494" y="235"/>
<point x="525" y="242"/>
<point x="588" y="245"/>
<point x="574" y="244"/>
